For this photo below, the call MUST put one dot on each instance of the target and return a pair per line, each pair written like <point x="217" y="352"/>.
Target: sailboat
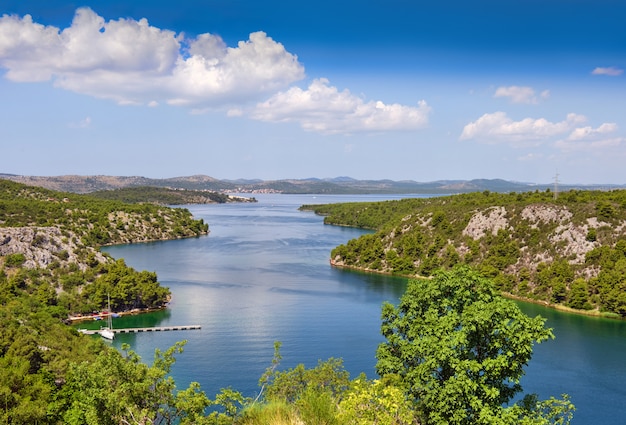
<point x="108" y="331"/>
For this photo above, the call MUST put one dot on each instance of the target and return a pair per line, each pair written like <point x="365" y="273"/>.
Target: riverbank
<point x="103" y="315"/>
<point x="558" y="307"/>
<point x="565" y="309"/>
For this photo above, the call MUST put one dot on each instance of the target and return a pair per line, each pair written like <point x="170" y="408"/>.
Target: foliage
<point x="376" y="402"/>
<point x="94" y="221"/>
<point x="117" y="388"/>
<point x="69" y="229"/>
<point x="14" y="260"/>
<point x="48" y="372"/>
<point x="162" y="196"/>
<point x="458" y="349"/>
<point x="531" y="244"/>
<point x="36" y="351"/>
<point x="291" y="385"/>
<point x="127" y="288"/>
<point x="51" y="374"/>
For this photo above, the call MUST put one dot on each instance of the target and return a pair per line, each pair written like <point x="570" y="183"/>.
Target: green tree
<point x="375" y="402"/>
<point x="579" y="295"/>
<point x="458" y="349"/>
<point x="118" y="389"/>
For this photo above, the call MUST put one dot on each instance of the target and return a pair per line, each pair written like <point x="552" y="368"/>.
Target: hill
<point x="51" y="239"/>
<point x="339" y="185"/>
<point x="166" y="196"/>
<point x="569" y="251"/>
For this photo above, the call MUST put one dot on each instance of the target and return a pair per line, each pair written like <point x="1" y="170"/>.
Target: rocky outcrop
<point x="569" y="238"/>
<point x="41" y="246"/>
<point x="489" y="221"/>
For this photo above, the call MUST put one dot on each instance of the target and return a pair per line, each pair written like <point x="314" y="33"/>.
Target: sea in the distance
<point x="263" y="275"/>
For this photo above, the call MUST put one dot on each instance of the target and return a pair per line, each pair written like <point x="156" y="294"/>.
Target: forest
<point x="566" y="249"/>
<point x="51" y="267"/>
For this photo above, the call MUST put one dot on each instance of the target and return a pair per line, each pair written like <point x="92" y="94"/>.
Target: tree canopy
<point x="458" y="349"/>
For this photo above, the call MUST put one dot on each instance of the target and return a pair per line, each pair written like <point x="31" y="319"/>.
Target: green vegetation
<point x="51" y="374"/>
<point x="458" y="350"/>
<point x="49" y="241"/>
<point x="93" y="221"/>
<point x="164" y="196"/>
<point x="50" y="268"/>
<point x="453" y="354"/>
<point x="570" y="251"/>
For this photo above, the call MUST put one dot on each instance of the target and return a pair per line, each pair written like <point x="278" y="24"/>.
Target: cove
<point x="263" y="275"/>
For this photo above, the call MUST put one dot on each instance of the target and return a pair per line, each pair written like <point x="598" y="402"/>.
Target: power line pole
<point x="556" y="186"/>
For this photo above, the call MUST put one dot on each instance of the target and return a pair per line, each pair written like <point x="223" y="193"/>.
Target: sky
<point x="522" y="90"/>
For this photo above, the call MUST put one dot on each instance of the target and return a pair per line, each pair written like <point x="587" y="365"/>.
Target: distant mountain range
<point x="338" y="185"/>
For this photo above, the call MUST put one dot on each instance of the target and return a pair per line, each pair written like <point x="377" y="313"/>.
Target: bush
<point x="14" y="260"/>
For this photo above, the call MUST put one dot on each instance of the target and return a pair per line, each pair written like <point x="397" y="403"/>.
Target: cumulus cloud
<point x="325" y="109"/>
<point x="586" y="133"/>
<point x="591" y="139"/>
<point x="497" y="127"/>
<point x="610" y="71"/>
<point x="132" y="62"/>
<point x="519" y="94"/>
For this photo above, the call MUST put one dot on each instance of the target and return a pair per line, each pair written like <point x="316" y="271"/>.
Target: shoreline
<point x="96" y="317"/>
<point x="558" y="307"/>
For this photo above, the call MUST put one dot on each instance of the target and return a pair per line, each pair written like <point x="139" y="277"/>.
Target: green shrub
<point x="14" y="260"/>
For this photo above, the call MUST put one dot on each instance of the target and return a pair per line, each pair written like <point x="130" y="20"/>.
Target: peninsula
<point x="566" y="251"/>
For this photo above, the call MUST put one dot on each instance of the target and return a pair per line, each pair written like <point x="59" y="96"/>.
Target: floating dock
<point x="138" y="330"/>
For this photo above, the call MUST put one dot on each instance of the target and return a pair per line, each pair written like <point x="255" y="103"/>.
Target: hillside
<point x="50" y="239"/>
<point x="569" y="252"/>
<point x="51" y="269"/>
<point x="338" y="185"/>
<point x="166" y="196"/>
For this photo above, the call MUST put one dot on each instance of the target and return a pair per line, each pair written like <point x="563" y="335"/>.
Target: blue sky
<point x="403" y="90"/>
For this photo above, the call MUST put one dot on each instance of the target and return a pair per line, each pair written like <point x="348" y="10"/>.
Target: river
<point x="263" y="275"/>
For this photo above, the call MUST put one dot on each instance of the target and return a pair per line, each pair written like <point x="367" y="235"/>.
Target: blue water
<point x="263" y="275"/>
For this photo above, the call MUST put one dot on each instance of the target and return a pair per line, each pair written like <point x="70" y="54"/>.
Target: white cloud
<point x="586" y="133"/>
<point x="497" y="127"/>
<point x="519" y="94"/>
<point x="610" y="71"/>
<point x="234" y="112"/>
<point x="325" y="109"/>
<point x="132" y="62"/>
<point x="593" y="140"/>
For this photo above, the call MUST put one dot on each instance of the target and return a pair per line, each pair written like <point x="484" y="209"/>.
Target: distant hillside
<point x="339" y="185"/>
<point x="165" y="196"/>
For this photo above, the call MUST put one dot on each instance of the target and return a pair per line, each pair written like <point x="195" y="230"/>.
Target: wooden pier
<point x="138" y="330"/>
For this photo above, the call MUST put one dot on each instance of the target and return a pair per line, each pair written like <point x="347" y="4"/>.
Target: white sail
<point x="108" y="331"/>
